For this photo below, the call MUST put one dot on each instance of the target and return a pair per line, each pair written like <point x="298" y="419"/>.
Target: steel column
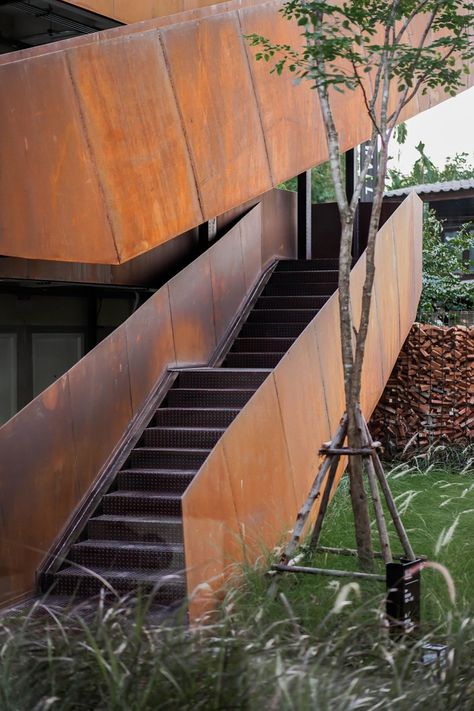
<point x="304" y="215"/>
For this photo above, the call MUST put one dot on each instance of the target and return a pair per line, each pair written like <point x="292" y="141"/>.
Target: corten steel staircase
<point x="134" y="540"/>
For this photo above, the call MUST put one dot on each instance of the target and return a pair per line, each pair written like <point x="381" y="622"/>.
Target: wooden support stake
<point x="326" y="571"/>
<point x="392" y="507"/>
<point x="305" y="510"/>
<point x="324" y="503"/>
<point x="378" y="509"/>
<point x="379" y="514"/>
<point x="342" y="551"/>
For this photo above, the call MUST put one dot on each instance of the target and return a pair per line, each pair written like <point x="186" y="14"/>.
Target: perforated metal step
<point x="194" y="416"/>
<point x="293" y="265"/>
<point x="136" y="528"/>
<point x="300" y="276"/>
<point x="133" y="503"/>
<point x="261" y="345"/>
<point x="117" y="555"/>
<point x="186" y="397"/>
<point x="267" y="360"/>
<point x="273" y="330"/>
<point x="282" y="315"/>
<point x="167" y="458"/>
<point x="222" y="379"/>
<point x="295" y="288"/>
<point x="202" y="438"/>
<point x="166" y="480"/>
<point x="167" y="586"/>
<point x="291" y="302"/>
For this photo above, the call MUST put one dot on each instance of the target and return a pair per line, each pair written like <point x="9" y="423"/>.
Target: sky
<point x="446" y="129"/>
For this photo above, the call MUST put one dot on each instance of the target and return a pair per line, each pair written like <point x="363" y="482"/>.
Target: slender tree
<point x="374" y="47"/>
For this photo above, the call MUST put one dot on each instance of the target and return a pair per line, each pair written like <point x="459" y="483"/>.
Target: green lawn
<point x="437" y="508"/>
<point x="320" y="645"/>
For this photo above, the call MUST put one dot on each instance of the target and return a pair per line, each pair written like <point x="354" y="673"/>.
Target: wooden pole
<point x="379" y="514"/>
<point x="391" y="505"/>
<point x="326" y="571"/>
<point x="324" y="503"/>
<point x="371" y="476"/>
<point x="305" y="510"/>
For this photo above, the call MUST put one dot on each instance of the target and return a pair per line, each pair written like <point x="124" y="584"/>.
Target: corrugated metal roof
<point x="449" y="187"/>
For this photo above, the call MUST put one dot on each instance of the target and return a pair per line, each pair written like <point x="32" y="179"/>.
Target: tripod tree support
<point x="332" y="453"/>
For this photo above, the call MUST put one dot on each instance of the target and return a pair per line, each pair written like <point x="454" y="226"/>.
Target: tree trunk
<point x="359" y="500"/>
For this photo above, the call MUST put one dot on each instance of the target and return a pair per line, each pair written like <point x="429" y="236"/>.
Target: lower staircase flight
<point x="134" y="539"/>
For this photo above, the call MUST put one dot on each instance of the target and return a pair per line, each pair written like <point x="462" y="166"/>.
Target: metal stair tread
<point x="170" y="428"/>
<point x="197" y="450"/>
<point x="217" y="369"/>
<point x="158" y="470"/>
<point x="131" y="546"/>
<point x="266" y="308"/>
<point x="132" y="574"/>
<point x="201" y="409"/>
<point x="146" y="518"/>
<point x="132" y="494"/>
<point x="214" y="390"/>
<point x="289" y="272"/>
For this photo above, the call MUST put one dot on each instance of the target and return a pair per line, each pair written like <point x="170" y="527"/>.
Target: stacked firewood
<point x="429" y="397"/>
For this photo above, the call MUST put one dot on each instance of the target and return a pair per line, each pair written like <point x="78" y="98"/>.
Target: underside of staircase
<point x="134" y="540"/>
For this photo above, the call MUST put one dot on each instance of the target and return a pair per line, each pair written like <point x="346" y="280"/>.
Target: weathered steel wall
<point x="158" y="265"/>
<point x="245" y="498"/>
<point x="129" y="11"/>
<point x="54" y="449"/>
<point x="116" y="142"/>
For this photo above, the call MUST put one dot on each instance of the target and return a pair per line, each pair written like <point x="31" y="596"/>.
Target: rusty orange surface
<point x="373" y="375"/>
<point x="211" y="531"/>
<point x="57" y="446"/>
<point x="260" y="472"/>
<point x="136" y="140"/>
<point x="213" y="86"/>
<point x="116" y="142"/>
<point x="271" y="448"/>
<point x="227" y="282"/>
<point x="128" y="11"/>
<point x="150" y="345"/>
<point x="302" y="399"/>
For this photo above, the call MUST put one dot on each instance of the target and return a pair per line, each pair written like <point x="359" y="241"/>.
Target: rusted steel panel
<point x="50" y="194"/>
<point x="228" y="281"/>
<point x="209" y="71"/>
<point x="251" y="247"/>
<point x="408" y="289"/>
<point x="128" y="108"/>
<point x="38" y="486"/>
<point x="279" y="217"/>
<point x="128" y="11"/>
<point x="112" y="148"/>
<point x="150" y="346"/>
<point x="101" y="407"/>
<point x="386" y="293"/>
<point x="302" y="399"/>
<point x="292" y="123"/>
<point x="211" y="532"/>
<point x="328" y="343"/>
<point x="260" y="472"/>
<point x="373" y="375"/>
<point x="271" y="447"/>
<point x="192" y="313"/>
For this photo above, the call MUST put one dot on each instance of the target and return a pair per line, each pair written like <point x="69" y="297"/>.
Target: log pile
<point x="429" y="397"/>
